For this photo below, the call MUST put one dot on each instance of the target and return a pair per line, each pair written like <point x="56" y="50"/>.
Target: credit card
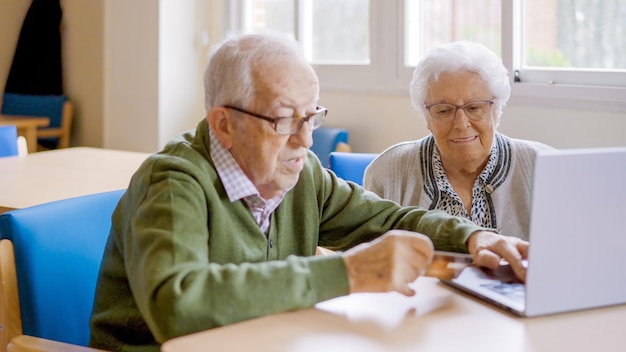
<point x="448" y="265"/>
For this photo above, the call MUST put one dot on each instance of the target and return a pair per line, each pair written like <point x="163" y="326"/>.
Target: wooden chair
<point x="49" y="262"/>
<point x="57" y="108"/>
<point x="49" y="136"/>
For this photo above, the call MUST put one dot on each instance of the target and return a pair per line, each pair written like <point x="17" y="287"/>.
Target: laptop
<point x="577" y="253"/>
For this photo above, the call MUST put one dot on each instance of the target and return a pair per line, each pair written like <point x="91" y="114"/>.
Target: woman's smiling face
<point x="461" y="141"/>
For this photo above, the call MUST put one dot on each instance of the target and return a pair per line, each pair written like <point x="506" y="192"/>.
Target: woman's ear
<point x="428" y="124"/>
<point x="219" y="118"/>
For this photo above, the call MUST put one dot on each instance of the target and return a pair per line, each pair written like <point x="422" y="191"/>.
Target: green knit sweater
<point x="182" y="258"/>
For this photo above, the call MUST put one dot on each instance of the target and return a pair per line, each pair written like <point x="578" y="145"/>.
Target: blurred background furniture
<point x="22" y="146"/>
<point x="57" y="249"/>
<point x="55" y="107"/>
<point x="327" y="140"/>
<point x="8" y="141"/>
<point x="350" y="166"/>
<point x="26" y="127"/>
<point x="64" y="173"/>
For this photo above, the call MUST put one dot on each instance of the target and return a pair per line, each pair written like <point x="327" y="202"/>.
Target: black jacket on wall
<point x="36" y="67"/>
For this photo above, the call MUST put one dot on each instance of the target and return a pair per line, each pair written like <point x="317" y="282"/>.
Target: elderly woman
<point x="464" y="167"/>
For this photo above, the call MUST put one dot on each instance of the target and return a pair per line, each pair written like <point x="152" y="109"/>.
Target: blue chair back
<point x="325" y="141"/>
<point x="50" y="106"/>
<point x="58" y="249"/>
<point x="350" y="166"/>
<point x="8" y="141"/>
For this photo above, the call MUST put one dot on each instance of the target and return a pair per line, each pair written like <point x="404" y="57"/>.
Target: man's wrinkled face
<point x="273" y="162"/>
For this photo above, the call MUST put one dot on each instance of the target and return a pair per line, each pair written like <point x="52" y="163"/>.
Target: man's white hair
<point x="228" y="78"/>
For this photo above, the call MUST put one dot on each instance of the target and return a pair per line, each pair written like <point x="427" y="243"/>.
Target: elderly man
<point x="223" y="224"/>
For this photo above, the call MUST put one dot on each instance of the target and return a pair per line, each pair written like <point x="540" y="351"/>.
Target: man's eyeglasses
<point x="290" y="124"/>
<point x="474" y="110"/>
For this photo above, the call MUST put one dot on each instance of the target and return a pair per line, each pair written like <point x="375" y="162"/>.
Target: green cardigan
<point x="182" y="258"/>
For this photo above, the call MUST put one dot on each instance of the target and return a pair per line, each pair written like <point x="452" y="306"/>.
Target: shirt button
<point x="489" y="188"/>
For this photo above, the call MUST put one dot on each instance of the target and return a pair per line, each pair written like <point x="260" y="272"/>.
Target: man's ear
<point x="220" y="120"/>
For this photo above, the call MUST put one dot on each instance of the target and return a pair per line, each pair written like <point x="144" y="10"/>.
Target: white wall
<point x="155" y="57"/>
<point x="183" y="47"/>
<point x="378" y="121"/>
<point x="565" y="128"/>
<point x="131" y="75"/>
<point x="12" y="13"/>
<point x="83" y="64"/>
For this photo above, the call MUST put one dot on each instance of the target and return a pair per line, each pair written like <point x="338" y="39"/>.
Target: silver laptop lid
<point x="577" y="257"/>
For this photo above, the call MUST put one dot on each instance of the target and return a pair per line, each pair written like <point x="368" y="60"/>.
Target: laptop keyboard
<point x="513" y="290"/>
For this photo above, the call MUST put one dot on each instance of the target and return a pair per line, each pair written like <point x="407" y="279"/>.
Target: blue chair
<point x="8" y="141"/>
<point x="350" y="166"/>
<point x="56" y="107"/>
<point x="327" y="140"/>
<point x="57" y="249"/>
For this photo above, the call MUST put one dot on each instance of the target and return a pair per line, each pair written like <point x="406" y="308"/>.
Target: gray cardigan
<point x="398" y="174"/>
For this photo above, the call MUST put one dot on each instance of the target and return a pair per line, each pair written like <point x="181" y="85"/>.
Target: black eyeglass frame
<point x="276" y="120"/>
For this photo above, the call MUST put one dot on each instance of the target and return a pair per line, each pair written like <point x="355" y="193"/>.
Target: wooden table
<point x="63" y="173"/>
<point x="438" y="318"/>
<point x="27" y="127"/>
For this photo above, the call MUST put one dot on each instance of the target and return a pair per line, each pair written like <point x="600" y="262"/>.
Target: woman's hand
<point x="489" y="248"/>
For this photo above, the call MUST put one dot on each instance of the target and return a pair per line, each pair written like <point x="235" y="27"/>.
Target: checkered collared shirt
<point x="238" y="186"/>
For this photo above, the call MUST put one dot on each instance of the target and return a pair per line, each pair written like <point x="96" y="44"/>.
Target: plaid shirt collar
<point x="235" y="182"/>
<point x="238" y="186"/>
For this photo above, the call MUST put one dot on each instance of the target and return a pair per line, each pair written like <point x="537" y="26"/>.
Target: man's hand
<point x="488" y="248"/>
<point x="389" y="263"/>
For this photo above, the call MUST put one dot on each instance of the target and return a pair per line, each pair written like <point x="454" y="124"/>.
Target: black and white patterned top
<point x="445" y="198"/>
<point x="405" y="173"/>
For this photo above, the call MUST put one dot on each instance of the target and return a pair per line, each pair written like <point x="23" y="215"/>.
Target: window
<point x="574" y="34"/>
<point x="319" y="25"/>
<point x="572" y="52"/>
<point x="335" y="35"/>
<point x="429" y="23"/>
<point x="559" y="52"/>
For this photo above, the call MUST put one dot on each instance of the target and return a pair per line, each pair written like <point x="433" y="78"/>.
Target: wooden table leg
<point x="31" y="138"/>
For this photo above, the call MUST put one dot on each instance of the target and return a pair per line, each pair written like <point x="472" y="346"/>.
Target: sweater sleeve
<point x="353" y="215"/>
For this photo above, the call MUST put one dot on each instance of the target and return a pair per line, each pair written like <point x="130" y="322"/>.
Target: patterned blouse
<point x="446" y="199"/>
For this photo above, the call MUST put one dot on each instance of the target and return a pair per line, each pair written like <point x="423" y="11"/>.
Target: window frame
<point x="600" y="90"/>
<point x="559" y="88"/>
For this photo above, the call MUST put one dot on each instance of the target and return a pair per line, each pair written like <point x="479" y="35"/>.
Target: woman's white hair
<point x="455" y="56"/>
<point x="228" y="78"/>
